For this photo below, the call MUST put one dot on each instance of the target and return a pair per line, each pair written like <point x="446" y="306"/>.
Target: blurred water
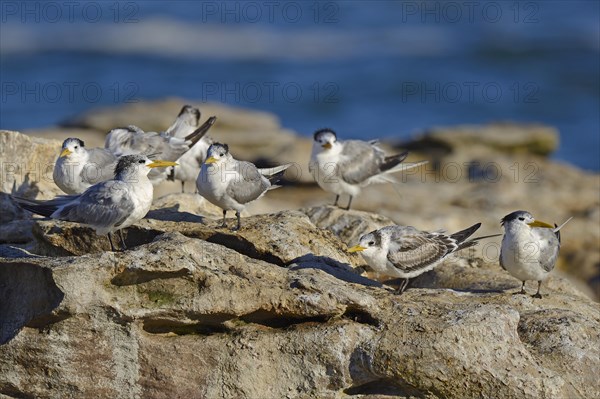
<point x="366" y="69"/>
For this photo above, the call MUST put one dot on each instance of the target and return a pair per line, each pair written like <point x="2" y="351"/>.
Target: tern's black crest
<point x="512" y="216"/>
<point x="218" y="146"/>
<point x="322" y="131"/>
<point x="125" y="162"/>
<point x="73" y="140"/>
<point x="188" y="109"/>
<point x="374" y="236"/>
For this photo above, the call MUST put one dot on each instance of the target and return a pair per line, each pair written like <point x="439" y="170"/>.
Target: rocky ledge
<point x="278" y="310"/>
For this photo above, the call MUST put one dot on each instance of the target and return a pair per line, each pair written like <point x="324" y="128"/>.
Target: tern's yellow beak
<point x="162" y="164"/>
<point x="327" y="145"/>
<point x="356" y="248"/>
<point x="65" y="152"/>
<point x="210" y="160"/>
<point x="539" y="223"/>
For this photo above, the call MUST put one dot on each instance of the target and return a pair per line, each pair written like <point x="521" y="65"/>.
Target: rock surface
<point x="185" y="317"/>
<point x="27" y="165"/>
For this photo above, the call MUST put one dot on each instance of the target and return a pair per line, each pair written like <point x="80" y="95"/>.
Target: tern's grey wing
<point x="101" y="157"/>
<point x="124" y="141"/>
<point x="249" y="184"/>
<point x="416" y="251"/>
<point x="549" y="247"/>
<point x="182" y="127"/>
<point x="186" y="122"/>
<point x="100" y="167"/>
<point x="170" y="148"/>
<point x="106" y="204"/>
<point x="360" y="160"/>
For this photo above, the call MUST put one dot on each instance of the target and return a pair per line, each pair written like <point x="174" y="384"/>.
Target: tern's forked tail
<point x="43" y="208"/>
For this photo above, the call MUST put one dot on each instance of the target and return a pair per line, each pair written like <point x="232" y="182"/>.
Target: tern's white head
<point x="372" y="246"/>
<point x="217" y="153"/>
<point x="190" y="115"/>
<point x="73" y="149"/>
<point x="129" y="167"/>
<point x="518" y="220"/>
<point x="325" y="139"/>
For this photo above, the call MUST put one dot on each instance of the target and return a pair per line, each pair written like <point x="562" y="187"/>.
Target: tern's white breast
<point x="141" y="195"/>
<point x="67" y="176"/>
<point x="212" y="184"/>
<point x="326" y="172"/>
<point x="520" y="255"/>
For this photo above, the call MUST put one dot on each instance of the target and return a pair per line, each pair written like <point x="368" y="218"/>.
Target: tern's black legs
<point x="522" y="292"/>
<point x="403" y="286"/>
<point x="239" y="222"/>
<point x="349" y="202"/>
<point x="224" y="215"/>
<point x="182" y="187"/>
<point x="537" y="294"/>
<point x="337" y="198"/>
<point x="112" y="247"/>
<point x="123" y="245"/>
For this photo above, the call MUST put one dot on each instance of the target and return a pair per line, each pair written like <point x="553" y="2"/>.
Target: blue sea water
<point x="367" y="69"/>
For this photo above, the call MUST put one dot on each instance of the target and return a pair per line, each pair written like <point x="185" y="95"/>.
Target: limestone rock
<point x="27" y="165"/>
<point x="281" y="238"/>
<point x="346" y="225"/>
<point x="496" y="137"/>
<point x="181" y="316"/>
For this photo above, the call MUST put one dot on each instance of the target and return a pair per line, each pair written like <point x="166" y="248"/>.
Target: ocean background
<point x="366" y="69"/>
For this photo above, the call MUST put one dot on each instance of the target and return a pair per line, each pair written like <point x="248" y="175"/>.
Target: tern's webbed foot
<point x="537" y="295"/>
<point x="522" y="292"/>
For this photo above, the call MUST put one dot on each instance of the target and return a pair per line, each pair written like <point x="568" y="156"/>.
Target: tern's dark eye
<point x="371" y="243"/>
<point x="141" y="161"/>
<point x="221" y="154"/>
<point x="522" y="219"/>
<point x="76" y="147"/>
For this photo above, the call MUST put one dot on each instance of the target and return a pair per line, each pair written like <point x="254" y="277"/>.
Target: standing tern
<point x="529" y="248"/>
<point x="190" y="162"/>
<point x="345" y="167"/>
<point x="107" y="206"/>
<point x="78" y="168"/>
<point x="231" y="184"/>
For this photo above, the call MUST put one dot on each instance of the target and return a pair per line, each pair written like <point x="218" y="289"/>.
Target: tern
<point x="78" y="168"/>
<point x="231" y="184"/>
<point x="107" y="206"/>
<point x="191" y="161"/>
<point x="133" y="140"/>
<point x="529" y="248"/>
<point x="345" y="167"/>
<point x="406" y="252"/>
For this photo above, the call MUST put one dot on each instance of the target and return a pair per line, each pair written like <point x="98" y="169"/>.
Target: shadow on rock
<point x="341" y="271"/>
<point x="28" y="295"/>
<point x="172" y="214"/>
